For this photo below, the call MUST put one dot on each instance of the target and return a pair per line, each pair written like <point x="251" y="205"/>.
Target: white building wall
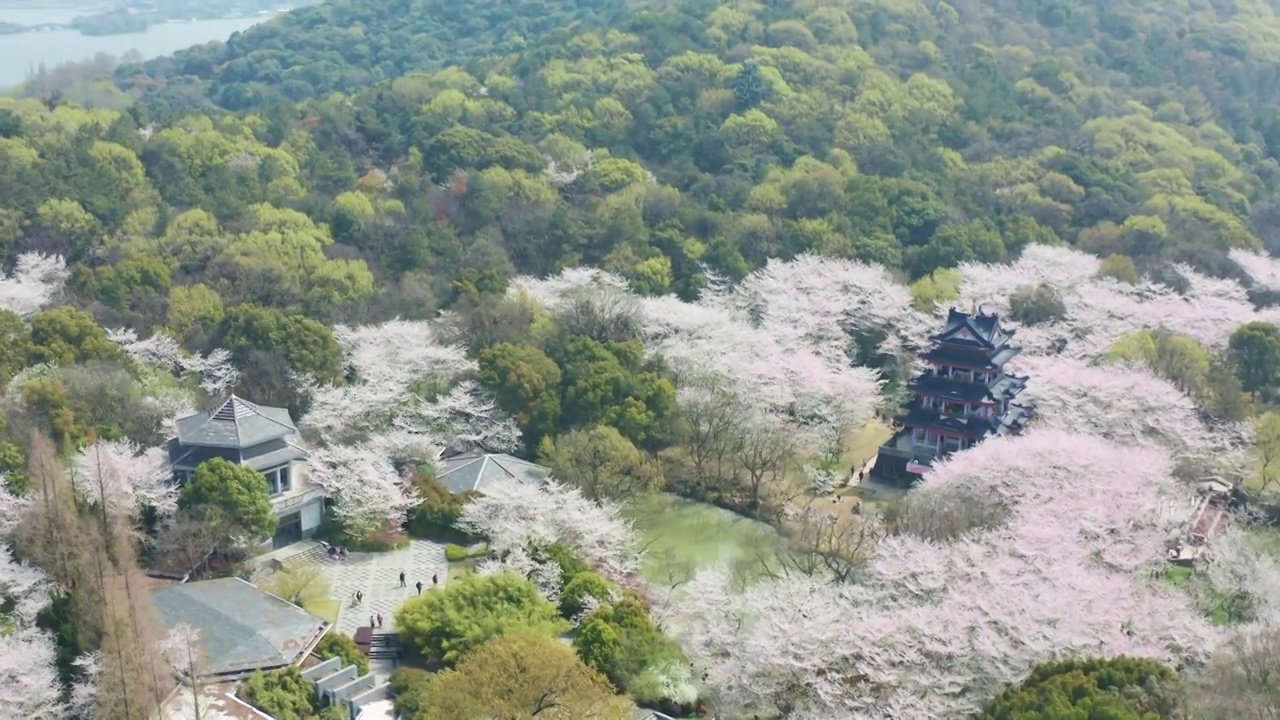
<point x="311" y="516"/>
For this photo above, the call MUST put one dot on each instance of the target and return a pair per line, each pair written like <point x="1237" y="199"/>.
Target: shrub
<point x="407" y="686"/>
<point x="622" y="641"/>
<point x="455" y="553"/>
<point x="1121" y="688"/>
<point x="1119" y="267"/>
<point x="445" y="624"/>
<point x="573" y="597"/>
<point x="281" y="694"/>
<point x="570" y="564"/>
<point x="1039" y="304"/>
<point x="338" y="645"/>
<point x="515" y="676"/>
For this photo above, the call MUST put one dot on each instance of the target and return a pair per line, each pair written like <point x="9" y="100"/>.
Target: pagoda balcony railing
<point x="930" y="414"/>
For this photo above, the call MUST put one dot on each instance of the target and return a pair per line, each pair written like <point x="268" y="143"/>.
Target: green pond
<point x="681" y="536"/>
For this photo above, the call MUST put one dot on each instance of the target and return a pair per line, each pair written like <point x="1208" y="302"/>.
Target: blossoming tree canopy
<point x="125" y="478"/>
<point x="1101" y="309"/>
<point x="385" y="360"/>
<point x="29" y="686"/>
<point x="36" y="280"/>
<point x="367" y="491"/>
<point x="935" y="628"/>
<point x="516" y="516"/>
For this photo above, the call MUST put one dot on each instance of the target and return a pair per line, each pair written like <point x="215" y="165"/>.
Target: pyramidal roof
<point x="475" y="472"/>
<point x="235" y="423"/>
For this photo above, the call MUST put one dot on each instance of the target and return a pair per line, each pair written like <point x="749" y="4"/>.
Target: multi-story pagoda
<point x="963" y="397"/>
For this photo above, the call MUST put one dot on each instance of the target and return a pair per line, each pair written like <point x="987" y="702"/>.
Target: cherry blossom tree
<point x="931" y="629"/>
<point x="1245" y="580"/>
<point x="26" y="587"/>
<point x="1101" y="309"/>
<point x="29" y="686"/>
<point x="789" y="359"/>
<point x="819" y="302"/>
<point x="12" y="507"/>
<point x="1127" y="405"/>
<point x="125" y="478"/>
<point x="83" y="697"/>
<point x="387" y="360"/>
<point x="367" y="491"/>
<point x="517" y="517"/>
<point x="1263" y="269"/>
<point x="36" y="280"/>
<point x="216" y="371"/>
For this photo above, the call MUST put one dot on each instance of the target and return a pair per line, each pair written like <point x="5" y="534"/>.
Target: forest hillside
<point x="680" y="246"/>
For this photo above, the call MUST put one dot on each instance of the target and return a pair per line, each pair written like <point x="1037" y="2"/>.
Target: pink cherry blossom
<point x="29" y="686"/>
<point x="216" y="372"/>
<point x="518" y="516"/>
<point x="125" y="477"/>
<point x="1101" y="310"/>
<point x="934" y="629"/>
<point x="367" y="491"/>
<point x="36" y="280"/>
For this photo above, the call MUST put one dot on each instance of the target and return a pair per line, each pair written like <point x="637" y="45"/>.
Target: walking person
<point x="402" y="579"/>
<point x="359" y="598"/>
<point x="373" y="622"/>
<point x="435" y="580"/>
<point x="379" y="621"/>
<point x="419" y="586"/>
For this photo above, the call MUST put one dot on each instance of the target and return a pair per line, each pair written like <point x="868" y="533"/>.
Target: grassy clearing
<point x="326" y="608"/>
<point x="864" y="442"/>
<point x="681" y="536"/>
<point x="462" y="568"/>
<point x="1198" y="587"/>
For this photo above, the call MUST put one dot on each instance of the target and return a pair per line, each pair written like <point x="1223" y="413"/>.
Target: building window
<point x="286" y="482"/>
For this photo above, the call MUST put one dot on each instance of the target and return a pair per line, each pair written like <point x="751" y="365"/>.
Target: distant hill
<point x="346" y="45"/>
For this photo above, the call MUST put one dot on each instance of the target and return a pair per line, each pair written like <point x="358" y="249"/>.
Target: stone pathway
<point x="377" y="575"/>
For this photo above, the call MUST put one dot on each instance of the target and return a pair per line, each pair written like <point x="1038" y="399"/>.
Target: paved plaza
<point x="377" y="575"/>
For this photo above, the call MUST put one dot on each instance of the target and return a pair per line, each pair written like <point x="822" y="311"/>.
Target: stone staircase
<point x="384" y="646"/>
<point x="342" y="685"/>
<point x="308" y="552"/>
<point x="313" y="555"/>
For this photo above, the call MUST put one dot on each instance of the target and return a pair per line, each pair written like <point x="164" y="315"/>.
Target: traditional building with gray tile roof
<point x="242" y="628"/>
<point x="964" y="396"/>
<point x="263" y="438"/>
<point x="474" y="472"/>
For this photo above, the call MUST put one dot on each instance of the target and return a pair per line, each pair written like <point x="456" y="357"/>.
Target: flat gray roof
<point x="242" y="628"/>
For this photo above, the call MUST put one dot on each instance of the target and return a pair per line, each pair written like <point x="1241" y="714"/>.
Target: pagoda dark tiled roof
<point x="948" y="354"/>
<point x="973" y="427"/>
<point x="951" y="389"/>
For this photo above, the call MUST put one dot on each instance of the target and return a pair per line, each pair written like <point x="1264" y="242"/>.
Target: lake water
<point x="682" y="536"/>
<point x="21" y="53"/>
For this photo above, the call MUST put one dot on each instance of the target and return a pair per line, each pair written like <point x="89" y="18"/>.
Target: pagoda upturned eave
<point x="967" y="360"/>
<point x="974" y="393"/>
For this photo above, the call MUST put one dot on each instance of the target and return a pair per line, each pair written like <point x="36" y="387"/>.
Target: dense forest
<point x="690" y="246"/>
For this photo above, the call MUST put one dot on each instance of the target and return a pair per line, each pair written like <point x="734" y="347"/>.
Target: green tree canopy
<point x="520" y="676"/>
<point x="1255" y="354"/>
<point x="445" y="624"/>
<point x="1121" y="688"/>
<point x="234" y="498"/>
<point x="602" y="463"/>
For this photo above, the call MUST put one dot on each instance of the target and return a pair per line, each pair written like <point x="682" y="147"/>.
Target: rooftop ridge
<point x="234" y="408"/>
